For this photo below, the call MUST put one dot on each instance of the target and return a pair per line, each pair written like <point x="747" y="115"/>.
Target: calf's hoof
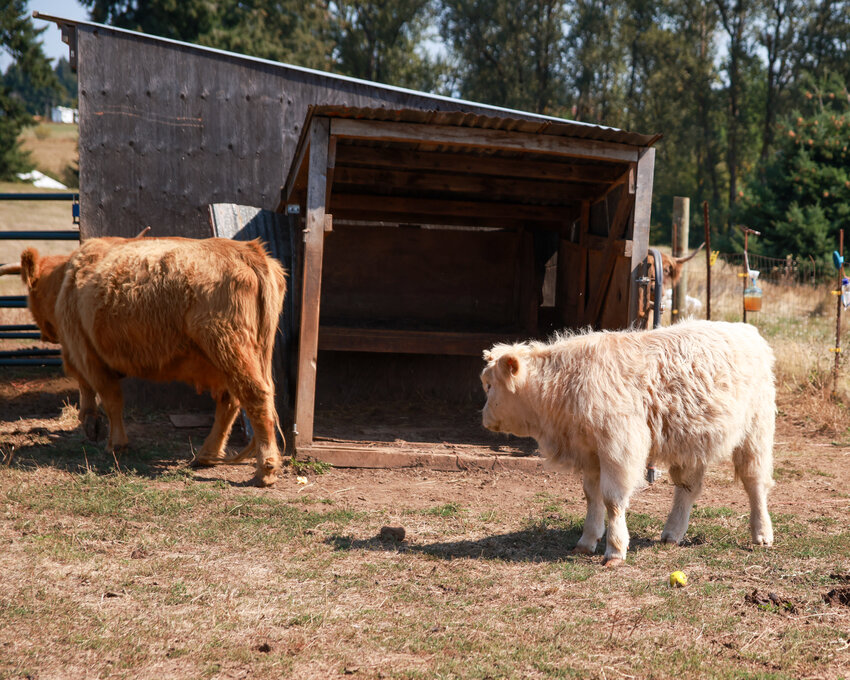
<point x="611" y="562"/>
<point x="669" y="539"/>
<point x="582" y="550"/>
<point x="764" y="541"/>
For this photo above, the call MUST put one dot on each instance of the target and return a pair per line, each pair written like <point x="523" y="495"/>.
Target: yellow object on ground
<point x="678" y="579"/>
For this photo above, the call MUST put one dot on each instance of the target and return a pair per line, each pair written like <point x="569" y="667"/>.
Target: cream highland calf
<point x="606" y="404"/>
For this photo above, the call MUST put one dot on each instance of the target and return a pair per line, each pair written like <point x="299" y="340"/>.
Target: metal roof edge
<point x="325" y="74"/>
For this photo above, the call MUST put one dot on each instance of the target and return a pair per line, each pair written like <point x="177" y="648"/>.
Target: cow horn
<point x="10" y="269"/>
<point x="682" y="260"/>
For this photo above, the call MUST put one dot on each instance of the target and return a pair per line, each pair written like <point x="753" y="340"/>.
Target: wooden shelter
<point x="454" y="224"/>
<point x="429" y="232"/>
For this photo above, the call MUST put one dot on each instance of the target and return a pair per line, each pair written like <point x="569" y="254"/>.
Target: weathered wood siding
<point x="167" y="129"/>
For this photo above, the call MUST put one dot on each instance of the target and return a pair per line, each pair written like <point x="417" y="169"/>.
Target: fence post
<point x="681" y="227"/>
<point x="707" y="260"/>
<point x="838" y="308"/>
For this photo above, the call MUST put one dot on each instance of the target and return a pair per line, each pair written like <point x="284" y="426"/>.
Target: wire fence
<point x="792" y="289"/>
<point x="797" y="315"/>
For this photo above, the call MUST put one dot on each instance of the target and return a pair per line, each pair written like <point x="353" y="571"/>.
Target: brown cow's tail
<point x="271" y="296"/>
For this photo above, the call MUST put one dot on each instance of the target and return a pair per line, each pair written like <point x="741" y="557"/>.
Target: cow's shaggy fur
<point x="606" y="404"/>
<point x="203" y="312"/>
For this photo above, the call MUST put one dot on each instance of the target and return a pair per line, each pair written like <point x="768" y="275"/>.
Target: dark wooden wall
<point x="166" y="129"/>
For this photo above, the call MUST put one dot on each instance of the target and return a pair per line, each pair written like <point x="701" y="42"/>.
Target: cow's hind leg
<point x="107" y="384"/>
<point x="753" y="461"/>
<point x="261" y="411"/>
<point x="88" y="414"/>
<point x="594" y="522"/>
<point x="688" y="483"/>
<point x="112" y="400"/>
<point x="212" y="451"/>
<point x="257" y="398"/>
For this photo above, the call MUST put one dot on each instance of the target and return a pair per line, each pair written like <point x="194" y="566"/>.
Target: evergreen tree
<point x="382" y="41"/>
<point x="185" y="20"/>
<point x="19" y="38"/>
<point x="292" y="31"/>
<point x="800" y="196"/>
<point x="68" y="82"/>
<point x="509" y="52"/>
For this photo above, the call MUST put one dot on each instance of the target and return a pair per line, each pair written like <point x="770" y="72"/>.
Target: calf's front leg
<point x="594" y="522"/>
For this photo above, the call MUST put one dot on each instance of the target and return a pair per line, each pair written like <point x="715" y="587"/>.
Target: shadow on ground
<point x="540" y="543"/>
<point x="155" y="449"/>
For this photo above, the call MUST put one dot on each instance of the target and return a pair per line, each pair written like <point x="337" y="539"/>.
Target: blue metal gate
<point x="33" y="356"/>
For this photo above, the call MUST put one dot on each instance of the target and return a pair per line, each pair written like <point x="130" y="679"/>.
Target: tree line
<point x="745" y="92"/>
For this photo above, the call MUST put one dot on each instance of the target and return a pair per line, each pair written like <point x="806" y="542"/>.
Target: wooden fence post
<point x="707" y="260"/>
<point x="681" y="225"/>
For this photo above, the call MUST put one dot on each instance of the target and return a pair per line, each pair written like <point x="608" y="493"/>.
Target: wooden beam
<point x="519" y="190"/>
<point x="368" y="216"/>
<point x="615" y="232"/>
<point x="640" y="227"/>
<point x="389" y="131"/>
<point x="410" y="342"/>
<point x="297" y="177"/>
<point x="345" y="204"/>
<point x="331" y="169"/>
<point x="459" y="163"/>
<point x="311" y="289"/>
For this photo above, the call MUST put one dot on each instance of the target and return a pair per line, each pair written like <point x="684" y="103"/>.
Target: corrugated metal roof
<point x="551" y="126"/>
<point x="502" y="118"/>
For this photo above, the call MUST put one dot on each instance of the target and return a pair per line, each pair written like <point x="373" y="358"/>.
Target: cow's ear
<point x="29" y="266"/>
<point x="488" y="356"/>
<point x="514" y="368"/>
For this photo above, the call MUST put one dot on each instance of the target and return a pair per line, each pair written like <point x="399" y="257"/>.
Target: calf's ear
<point x="29" y="266"/>
<point x="488" y="356"/>
<point x="514" y="369"/>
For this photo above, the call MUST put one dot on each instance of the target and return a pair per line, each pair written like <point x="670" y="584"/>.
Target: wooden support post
<point x="640" y="227"/>
<point x="584" y="255"/>
<point x="311" y="288"/>
<point x="707" y="260"/>
<point x="681" y="226"/>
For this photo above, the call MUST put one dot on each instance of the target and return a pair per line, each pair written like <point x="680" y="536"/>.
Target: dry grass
<point x="52" y="147"/>
<point x="149" y="569"/>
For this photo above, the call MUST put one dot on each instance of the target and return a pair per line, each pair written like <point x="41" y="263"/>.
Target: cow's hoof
<point x="206" y="461"/>
<point x="116" y="449"/>
<point x="763" y="541"/>
<point x="611" y="562"/>
<point x="668" y="539"/>
<point x="581" y="550"/>
<point x="209" y="459"/>
<point x="94" y="427"/>
<point x="264" y="480"/>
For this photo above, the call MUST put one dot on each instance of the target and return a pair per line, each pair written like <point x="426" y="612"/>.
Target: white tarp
<point x="40" y="180"/>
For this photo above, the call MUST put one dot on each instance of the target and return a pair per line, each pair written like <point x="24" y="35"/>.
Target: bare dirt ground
<point x="141" y="567"/>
